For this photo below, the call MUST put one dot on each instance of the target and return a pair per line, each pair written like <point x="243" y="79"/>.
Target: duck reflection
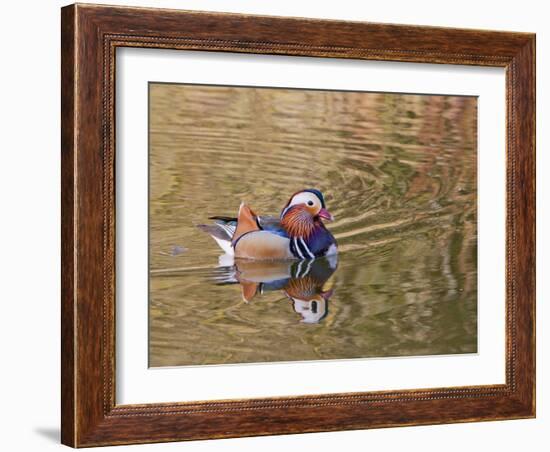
<point x="307" y="283"/>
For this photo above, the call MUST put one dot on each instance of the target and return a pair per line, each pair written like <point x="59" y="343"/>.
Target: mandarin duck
<point x="305" y="283"/>
<point x="298" y="233"/>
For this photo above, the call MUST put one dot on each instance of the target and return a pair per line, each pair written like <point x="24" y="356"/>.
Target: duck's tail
<point x="222" y="232"/>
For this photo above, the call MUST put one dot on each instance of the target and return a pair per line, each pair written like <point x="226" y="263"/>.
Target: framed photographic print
<point x="280" y="225"/>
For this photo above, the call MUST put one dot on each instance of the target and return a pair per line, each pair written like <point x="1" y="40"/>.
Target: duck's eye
<point x="310" y="203"/>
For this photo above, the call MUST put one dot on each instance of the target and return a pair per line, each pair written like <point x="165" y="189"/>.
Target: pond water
<point x="398" y="173"/>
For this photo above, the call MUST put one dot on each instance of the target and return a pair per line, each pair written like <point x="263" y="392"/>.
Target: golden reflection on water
<point x="397" y="171"/>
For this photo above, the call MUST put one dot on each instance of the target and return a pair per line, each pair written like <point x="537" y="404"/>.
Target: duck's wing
<point x="227" y="230"/>
<point x="222" y="219"/>
<point x="272" y="224"/>
<point x="264" y="222"/>
<point x="246" y="222"/>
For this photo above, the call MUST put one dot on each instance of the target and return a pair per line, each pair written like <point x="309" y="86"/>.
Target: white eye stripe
<point x="305" y="198"/>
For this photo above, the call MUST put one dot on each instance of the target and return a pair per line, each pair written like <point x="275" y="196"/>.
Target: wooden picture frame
<point x="90" y="36"/>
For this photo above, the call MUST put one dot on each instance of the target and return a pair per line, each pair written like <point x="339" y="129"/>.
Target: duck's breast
<point x="322" y="242"/>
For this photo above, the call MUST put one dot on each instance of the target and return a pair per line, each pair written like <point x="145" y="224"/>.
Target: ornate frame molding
<point x="90" y="37"/>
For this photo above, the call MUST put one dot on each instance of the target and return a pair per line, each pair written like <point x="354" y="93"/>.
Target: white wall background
<point x="29" y="228"/>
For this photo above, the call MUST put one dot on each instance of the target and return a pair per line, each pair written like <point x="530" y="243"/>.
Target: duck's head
<point x="307" y="204"/>
<point x="309" y="297"/>
<point x="313" y="310"/>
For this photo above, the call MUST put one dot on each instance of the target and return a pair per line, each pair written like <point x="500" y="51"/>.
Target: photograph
<point x="294" y="224"/>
